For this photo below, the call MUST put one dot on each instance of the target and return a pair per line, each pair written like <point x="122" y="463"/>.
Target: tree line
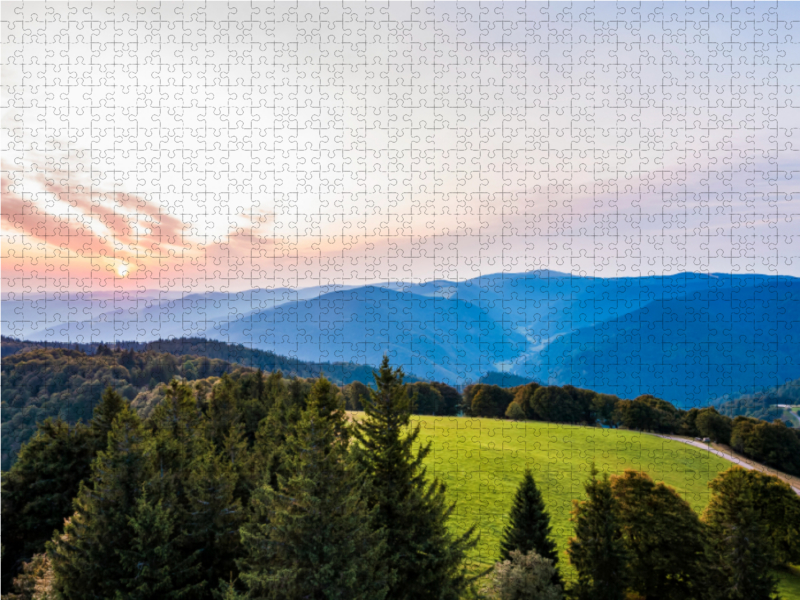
<point x="773" y="444"/>
<point x="261" y="487"/>
<point x="42" y="383"/>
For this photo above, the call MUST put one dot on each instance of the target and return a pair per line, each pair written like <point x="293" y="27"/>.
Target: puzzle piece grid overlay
<point x="241" y="171"/>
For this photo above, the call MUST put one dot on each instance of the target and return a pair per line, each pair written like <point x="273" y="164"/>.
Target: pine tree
<point x="597" y="551"/>
<point x="314" y="537"/>
<point x="741" y="550"/>
<point x="529" y="526"/>
<point x="426" y="560"/>
<point x="85" y="560"/>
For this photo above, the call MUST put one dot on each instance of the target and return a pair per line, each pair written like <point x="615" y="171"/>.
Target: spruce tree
<point x="178" y="431"/>
<point x="85" y="560"/>
<point x="314" y="537"/>
<point x="155" y="565"/>
<point x="270" y="440"/>
<point x="330" y="405"/>
<point x="597" y="551"/>
<point x="111" y="404"/>
<point x="243" y="461"/>
<point x="529" y="525"/>
<point x="223" y="410"/>
<point x="212" y="518"/>
<point x="257" y="397"/>
<point x="426" y="559"/>
<point x="37" y="491"/>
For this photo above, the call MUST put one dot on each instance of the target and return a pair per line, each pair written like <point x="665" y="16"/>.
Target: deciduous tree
<point x="597" y="551"/>
<point x="663" y="535"/>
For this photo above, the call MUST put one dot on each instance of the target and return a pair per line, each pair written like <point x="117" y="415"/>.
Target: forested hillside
<point x="764" y="404"/>
<point x="39" y="382"/>
<point x="252" y="485"/>
<point x="338" y="372"/>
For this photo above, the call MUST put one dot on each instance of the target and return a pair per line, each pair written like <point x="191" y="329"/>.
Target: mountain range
<point x="688" y="338"/>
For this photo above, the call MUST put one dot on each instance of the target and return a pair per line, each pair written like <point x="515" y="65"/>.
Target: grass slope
<point x="482" y="460"/>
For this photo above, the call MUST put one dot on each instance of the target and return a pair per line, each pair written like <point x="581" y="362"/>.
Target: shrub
<point x="524" y="577"/>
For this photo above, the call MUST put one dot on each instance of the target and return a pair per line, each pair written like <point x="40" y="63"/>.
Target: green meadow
<point x="482" y="460"/>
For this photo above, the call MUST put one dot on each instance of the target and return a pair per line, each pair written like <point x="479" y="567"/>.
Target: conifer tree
<point x="111" y="404"/>
<point x="242" y="461"/>
<point x="213" y="516"/>
<point x="314" y="537"/>
<point x="597" y="551"/>
<point x="85" y="560"/>
<point x="178" y="431"/>
<point x="37" y="491"/>
<point x="331" y="406"/>
<point x="270" y="445"/>
<point x="223" y="411"/>
<point x="258" y="397"/>
<point x="426" y="559"/>
<point x="529" y="526"/>
<point x="155" y="565"/>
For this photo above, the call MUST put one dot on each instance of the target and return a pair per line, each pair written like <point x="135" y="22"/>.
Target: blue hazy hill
<point x="432" y="337"/>
<point x="688" y="338"/>
<point x="687" y="350"/>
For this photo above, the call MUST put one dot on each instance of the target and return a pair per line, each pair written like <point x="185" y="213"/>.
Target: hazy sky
<point x="236" y="145"/>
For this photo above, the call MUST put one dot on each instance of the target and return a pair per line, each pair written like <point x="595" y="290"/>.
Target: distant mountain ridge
<point x="688" y="338"/>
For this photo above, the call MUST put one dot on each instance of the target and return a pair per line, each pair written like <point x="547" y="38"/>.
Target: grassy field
<point x="789" y="583"/>
<point x="482" y="460"/>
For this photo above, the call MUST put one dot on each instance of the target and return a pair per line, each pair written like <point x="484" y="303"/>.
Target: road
<point x="735" y="459"/>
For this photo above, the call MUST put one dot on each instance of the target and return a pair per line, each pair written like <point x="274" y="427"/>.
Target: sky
<point x="228" y="146"/>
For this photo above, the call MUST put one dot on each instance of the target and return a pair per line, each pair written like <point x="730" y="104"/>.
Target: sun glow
<point x="123" y="270"/>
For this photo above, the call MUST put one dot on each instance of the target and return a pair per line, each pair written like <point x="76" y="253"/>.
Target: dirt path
<point x="736" y="459"/>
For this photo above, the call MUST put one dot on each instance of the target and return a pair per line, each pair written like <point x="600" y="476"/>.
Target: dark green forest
<point x="38" y="383"/>
<point x="255" y="485"/>
<point x="762" y="405"/>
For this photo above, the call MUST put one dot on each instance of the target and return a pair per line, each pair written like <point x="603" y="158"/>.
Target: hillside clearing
<point x="482" y="460"/>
